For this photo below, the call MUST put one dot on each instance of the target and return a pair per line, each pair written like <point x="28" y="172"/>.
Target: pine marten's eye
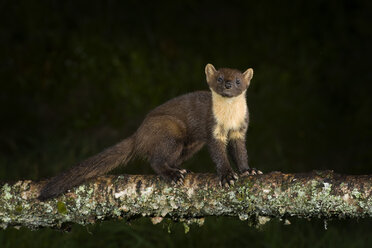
<point x="238" y="81"/>
<point x="220" y="79"/>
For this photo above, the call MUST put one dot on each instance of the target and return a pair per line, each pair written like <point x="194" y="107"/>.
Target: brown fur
<point x="176" y="130"/>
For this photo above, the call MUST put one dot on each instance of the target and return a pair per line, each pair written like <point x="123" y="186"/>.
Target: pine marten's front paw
<point x="175" y="176"/>
<point x="251" y="171"/>
<point x="228" y="178"/>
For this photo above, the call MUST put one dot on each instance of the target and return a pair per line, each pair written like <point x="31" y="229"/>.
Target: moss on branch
<point x="320" y="194"/>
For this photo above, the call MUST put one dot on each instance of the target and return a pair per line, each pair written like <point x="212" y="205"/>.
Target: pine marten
<point x="174" y="131"/>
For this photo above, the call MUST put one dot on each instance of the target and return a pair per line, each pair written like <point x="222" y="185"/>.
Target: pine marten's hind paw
<point x="251" y="171"/>
<point x="175" y="176"/>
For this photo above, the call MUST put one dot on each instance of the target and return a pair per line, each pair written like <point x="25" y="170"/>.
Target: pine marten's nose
<point x="227" y="84"/>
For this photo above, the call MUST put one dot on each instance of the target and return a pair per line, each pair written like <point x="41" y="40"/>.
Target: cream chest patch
<point x="230" y="114"/>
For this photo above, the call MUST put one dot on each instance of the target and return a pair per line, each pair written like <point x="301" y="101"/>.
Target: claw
<point x="183" y="171"/>
<point x="244" y="174"/>
<point x="252" y="171"/>
<point x="178" y="181"/>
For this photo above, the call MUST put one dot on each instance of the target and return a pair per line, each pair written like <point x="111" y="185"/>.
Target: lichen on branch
<point x="320" y="194"/>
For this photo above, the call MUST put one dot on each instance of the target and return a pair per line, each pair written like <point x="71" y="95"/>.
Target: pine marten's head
<point x="228" y="82"/>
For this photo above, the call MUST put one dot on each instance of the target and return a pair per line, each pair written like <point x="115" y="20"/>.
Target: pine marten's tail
<point x="97" y="165"/>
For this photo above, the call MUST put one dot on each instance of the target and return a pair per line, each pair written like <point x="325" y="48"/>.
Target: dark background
<point x="77" y="77"/>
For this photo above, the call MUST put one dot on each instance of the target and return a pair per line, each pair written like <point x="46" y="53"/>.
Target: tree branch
<point x="321" y="194"/>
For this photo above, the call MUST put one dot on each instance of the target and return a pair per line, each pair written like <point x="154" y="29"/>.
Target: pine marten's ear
<point x="248" y="74"/>
<point x="209" y="72"/>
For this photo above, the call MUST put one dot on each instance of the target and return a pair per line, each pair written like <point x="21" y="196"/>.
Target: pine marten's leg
<point x="238" y="153"/>
<point x="162" y="168"/>
<point x="188" y="151"/>
<point x="163" y="160"/>
<point x="217" y="150"/>
<point x="161" y="139"/>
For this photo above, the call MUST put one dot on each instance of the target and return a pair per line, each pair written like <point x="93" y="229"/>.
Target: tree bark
<point x="320" y="194"/>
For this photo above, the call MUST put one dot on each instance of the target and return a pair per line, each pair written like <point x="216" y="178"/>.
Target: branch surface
<point x="320" y="194"/>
